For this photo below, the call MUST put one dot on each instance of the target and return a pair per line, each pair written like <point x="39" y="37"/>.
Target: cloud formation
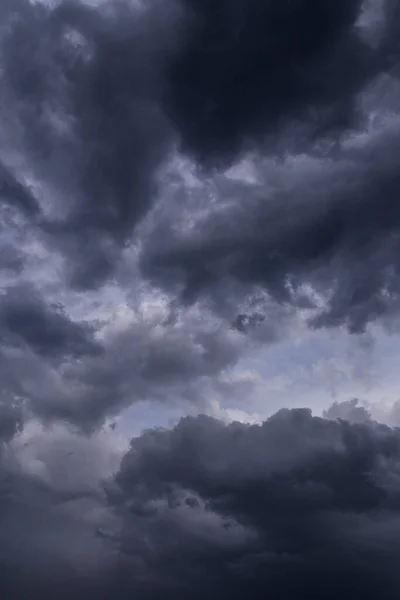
<point x="95" y="98"/>
<point x="244" y="69"/>
<point x="311" y="231"/>
<point x="49" y="332"/>
<point x="296" y="504"/>
<point x="83" y="84"/>
<point x="182" y="183"/>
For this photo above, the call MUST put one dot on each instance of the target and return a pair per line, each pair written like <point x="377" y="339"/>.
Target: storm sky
<point x="199" y="299"/>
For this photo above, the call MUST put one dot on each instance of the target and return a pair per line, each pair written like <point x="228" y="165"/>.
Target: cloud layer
<point x="186" y="185"/>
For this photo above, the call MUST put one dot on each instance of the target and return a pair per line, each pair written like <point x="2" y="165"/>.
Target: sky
<point x="199" y="299"/>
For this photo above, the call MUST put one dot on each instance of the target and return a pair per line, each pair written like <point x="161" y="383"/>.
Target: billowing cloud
<point x="311" y="231"/>
<point x="350" y="411"/>
<point x="297" y="504"/>
<point x="94" y="98"/>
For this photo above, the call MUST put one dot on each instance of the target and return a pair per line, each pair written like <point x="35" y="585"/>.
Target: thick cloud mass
<point x="298" y="505"/>
<point x="331" y="225"/>
<point x="96" y="97"/>
<point x="84" y="87"/>
<point x="191" y="192"/>
<point x="246" y="67"/>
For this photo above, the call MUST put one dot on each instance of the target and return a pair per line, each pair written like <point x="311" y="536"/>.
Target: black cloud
<point x="298" y="505"/>
<point x="97" y="103"/>
<point x="334" y="228"/>
<point x="98" y="97"/>
<point x="246" y="68"/>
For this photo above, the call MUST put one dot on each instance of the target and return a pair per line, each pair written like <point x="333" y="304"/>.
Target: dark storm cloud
<point x="11" y="419"/>
<point x="329" y="224"/>
<point x="245" y="68"/>
<point x="99" y="94"/>
<point x="84" y="84"/>
<point x="143" y="362"/>
<point x="390" y="45"/>
<point x="298" y="505"/>
<point x="336" y="231"/>
<point x="26" y="318"/>
<point x="11" y="259"/>
<point x="48" y="539"/>
<point x="92" y="101"/>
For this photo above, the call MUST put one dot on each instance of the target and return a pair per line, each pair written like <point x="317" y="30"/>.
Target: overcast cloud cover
<point x="199" y="237"/>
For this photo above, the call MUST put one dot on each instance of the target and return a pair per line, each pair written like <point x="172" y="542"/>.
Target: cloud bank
<point x="295" y="504"/>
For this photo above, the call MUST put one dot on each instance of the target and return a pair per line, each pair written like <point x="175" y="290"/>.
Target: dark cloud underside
<point x="297" y="505"/>
<point x="246" y="68"/>
<point x="102" y="94"/>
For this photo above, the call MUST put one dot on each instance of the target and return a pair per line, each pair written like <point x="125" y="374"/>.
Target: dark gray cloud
<point x="331" y="225"/>
<point x="84" y="85"/>
<point x="95" y="97"/>
<point x="26" y="318"/>
<point x="11" y="419"/>
<point x="10" y="259"/>
<point x="15" y="193"/>
<point x="298" y="505"/>
<point x="146" y="361"/>
<point x="332" y="228"/>
<point x="83" y="370"/>
<point x="246" y="68"/>
<point x="97" y="102"/>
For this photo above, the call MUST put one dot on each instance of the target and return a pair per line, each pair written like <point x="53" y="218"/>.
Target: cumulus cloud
<point x="95" y="97"/>
<point x="296" y="505"/>
<point x="246" y="68"/>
